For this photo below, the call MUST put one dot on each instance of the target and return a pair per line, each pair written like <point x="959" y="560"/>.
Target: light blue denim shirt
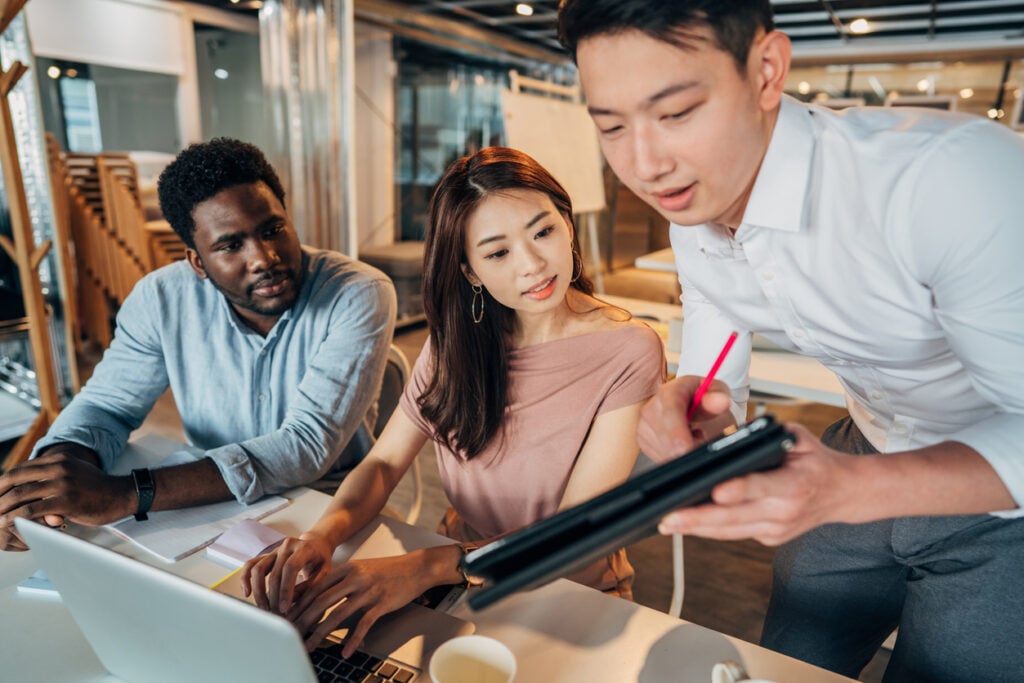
<point x="272" y="412"/>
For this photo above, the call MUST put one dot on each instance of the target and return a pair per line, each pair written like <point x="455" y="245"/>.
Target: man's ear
<point x="194" y="260"/>
<point x="772" y="55"/>
<point x="470" y="275"/>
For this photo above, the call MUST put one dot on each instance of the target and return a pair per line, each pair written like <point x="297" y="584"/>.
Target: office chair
<point x="396" y="375"/>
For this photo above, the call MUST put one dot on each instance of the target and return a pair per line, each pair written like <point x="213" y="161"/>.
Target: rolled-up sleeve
<point x="124" y="385"/>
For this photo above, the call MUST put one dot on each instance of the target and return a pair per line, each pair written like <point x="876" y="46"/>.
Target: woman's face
<point x="519" y="247"/>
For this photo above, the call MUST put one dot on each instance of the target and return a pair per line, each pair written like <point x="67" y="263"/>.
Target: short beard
<point x="251" y="305"/>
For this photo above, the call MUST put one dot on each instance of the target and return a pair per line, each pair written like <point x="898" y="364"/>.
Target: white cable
<point x="676" y="608"/>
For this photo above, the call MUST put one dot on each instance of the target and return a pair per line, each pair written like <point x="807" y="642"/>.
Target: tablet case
<point x="575" y="537"/>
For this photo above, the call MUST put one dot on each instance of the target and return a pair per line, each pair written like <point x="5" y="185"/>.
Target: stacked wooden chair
<point x="113" y="244"/>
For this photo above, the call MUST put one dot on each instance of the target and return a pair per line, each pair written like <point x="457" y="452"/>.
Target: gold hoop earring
<point x="478" y="296"/>
<point x="576" y="257"/>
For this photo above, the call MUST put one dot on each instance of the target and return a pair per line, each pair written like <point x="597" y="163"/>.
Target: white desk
<point x="789" y="375"/>
<point x="561" y="632"/>
<point x="662" y="260"/>
<point x="773" y="371"/>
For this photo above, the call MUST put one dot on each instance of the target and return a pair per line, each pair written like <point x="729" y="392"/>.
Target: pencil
<point x="223" y="580"/>
<point x="703" y="388"/>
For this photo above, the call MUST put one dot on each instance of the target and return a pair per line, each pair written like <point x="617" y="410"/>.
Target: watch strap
<point x="145" y="490"/>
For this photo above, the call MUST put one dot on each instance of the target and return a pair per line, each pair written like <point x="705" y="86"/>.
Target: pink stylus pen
<point x="703" y="388"/>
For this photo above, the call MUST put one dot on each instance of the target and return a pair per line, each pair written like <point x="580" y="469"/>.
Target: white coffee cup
<point x="733" y="672"/>
<point x="472" y="659"/>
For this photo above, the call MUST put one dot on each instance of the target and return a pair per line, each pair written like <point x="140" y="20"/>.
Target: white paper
<point x="174" y="534"/>
<point x="244" y="541"/>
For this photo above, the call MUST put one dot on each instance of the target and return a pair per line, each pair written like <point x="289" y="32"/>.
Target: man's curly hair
<point x="203" y="170"/>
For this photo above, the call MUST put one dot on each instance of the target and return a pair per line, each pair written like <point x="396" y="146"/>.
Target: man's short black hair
<point x="203" y="170"/>
<point x="734" y="23"/>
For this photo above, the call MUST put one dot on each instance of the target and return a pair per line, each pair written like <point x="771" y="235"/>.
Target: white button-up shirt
<point x="889" y="245"/>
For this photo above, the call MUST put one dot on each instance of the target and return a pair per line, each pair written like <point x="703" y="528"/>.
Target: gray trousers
<point x="953" y="585"/>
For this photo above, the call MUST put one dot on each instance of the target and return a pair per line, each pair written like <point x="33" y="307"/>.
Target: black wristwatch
<point x="145" y="490"/>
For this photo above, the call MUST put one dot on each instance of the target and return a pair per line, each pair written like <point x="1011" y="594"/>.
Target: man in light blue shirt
<point x="274" y="353"/>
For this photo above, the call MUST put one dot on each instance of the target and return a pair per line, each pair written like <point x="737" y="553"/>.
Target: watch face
<point x="467" y="579"/>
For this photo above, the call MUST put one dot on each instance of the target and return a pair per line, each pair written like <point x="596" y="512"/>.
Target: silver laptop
<point x="146" y="624"/>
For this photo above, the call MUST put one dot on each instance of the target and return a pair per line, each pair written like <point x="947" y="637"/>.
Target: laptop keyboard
<point x="331" y="667"/>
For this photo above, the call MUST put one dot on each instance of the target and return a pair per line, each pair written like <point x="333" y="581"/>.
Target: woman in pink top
<point x="529" y="387"/>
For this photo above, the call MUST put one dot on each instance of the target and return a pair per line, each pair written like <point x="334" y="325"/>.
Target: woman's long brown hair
<point x="467" y="396"/>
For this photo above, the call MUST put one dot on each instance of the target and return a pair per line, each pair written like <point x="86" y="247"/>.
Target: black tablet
<point x="575" y="537"/>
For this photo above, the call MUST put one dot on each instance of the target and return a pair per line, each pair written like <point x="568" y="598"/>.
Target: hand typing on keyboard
<point x="369" y="589"/>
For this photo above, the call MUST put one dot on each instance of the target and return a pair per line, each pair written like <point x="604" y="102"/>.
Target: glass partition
<point x="447" y="107"/>
<point x="230" y="85"/>
<point x="93" y="108"/>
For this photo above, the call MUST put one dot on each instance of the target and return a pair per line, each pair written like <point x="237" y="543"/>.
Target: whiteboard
<point x="563" y="139"/>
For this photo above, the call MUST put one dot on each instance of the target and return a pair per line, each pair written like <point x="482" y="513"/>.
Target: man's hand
<point x="664" y="432"/>
<point x="60" y="485"/>
<point x="775" y="506"/>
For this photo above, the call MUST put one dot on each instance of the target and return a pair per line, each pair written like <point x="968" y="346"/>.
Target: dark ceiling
<point x="820" y="23"/>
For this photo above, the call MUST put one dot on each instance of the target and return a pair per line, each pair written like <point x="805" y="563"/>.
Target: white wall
<point x="132" y="34"/>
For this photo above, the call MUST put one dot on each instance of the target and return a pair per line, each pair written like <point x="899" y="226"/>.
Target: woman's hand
<point x="367" y="590"/>
<point x="276" y="580"/>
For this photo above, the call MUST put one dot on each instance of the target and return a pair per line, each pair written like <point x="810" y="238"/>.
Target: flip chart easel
<point x="556" y="130"/>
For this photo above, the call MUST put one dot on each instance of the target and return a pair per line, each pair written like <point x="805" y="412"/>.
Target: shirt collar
<point x="779" y="195"/>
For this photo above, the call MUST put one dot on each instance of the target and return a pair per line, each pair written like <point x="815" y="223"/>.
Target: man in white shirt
<point x="886" y="244"/>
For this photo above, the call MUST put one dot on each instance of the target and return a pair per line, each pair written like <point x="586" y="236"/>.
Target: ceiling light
<point x="53" y="72"/>
<point x="860" y="26"/>
<point x="222" y="74"/>
<point x="994" y="113"/>
<point x="923" y="84"/>
<point x="524" y="9"/>
<point x="804" y="87"/>
<point x="967" y="93"/>
<point x="71" y="73"/>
